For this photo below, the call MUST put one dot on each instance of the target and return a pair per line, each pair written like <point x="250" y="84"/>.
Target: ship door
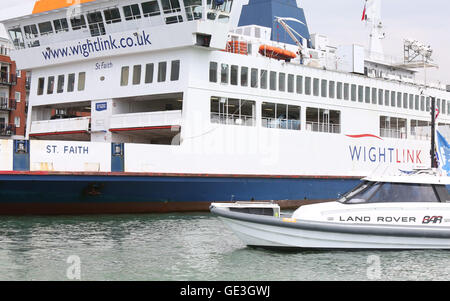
<point x="326" y="121"/>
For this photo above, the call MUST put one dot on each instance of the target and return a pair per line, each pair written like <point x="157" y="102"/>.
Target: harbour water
<point x="183" y="247"/>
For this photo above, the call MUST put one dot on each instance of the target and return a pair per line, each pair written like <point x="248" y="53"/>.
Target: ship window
<point x="290" y="87"/>
<point x="45" y="28"/>
<point x="392" y="127"/>
<point x="393" y="98"/>
<point x="416" y="102"/>
<point x="438" y="104"/>
<point x="162" y="69"/>
<point x="267" y="113"/>
<point x="71" y="82"/>
<point x="149" y="70"/>
<point x="175" y="70"/>
<point x="81" y="81"/>
<point x="177" y="19"/>
<point x="131" y="12"/>
<point x="232" y="111"/>
<point x="224" y="73"/>
<point x="308" y="85"/>
<point x="112" y="15"/>
<point x="60" y="86"/>
<point x="137" y="70"/>
<point x="31" y="31"/>
<point x="380" y="97"/>
<point x="443" y="106"/>
<point x="323" y="120"/>
<point x="353" y="96"/>
<point x="150" y="9"/>
<point x="280" y="116"/>
<point x="61" y="25"/>
<point x="41" y="85"/>
<point x="428" y="106"/>
<point x="78" y="22"/>
<point x="405" y="100"/>
<point x="316" y="86"/>
<point x="367" y="95"/>
<point x="124" y="75"/>
<point x="96" y="25"/>
<point x="346" y="91"/>
<point x="411" y="101"/>
<point x="170" y="6"/>
<point x="299" y="84"/>
<point x="324" y="88"/>
<point x="254" y="78"/>
<point x="374" y="96"/>
<point x="213" y="72"/>
<point x="422" y="103"/>
<point x="17" y="37"/>
<point x="244" y="76"/>
<point x="399" y="99"/>
<point x="263" y="77"/>
<point x="193" y="9"/>
<point x="339" y="90"/>
<point x="420" y="129"/>
<point x="386" y="97"/>
<point x="50" y="84"/>
<point x="360" y="93"/>
<point x="234" y="70"/>
<point x="282" y="82"/>
<point x="331" y="89"/>
<point x="273" y="80"/>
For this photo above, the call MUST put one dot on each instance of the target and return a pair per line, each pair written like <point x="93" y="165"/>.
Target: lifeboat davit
<point x="276" y="53"/>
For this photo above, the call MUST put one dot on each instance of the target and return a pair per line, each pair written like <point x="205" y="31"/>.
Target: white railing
<point x="145" y="119"/>
<point x="232" y="119"/>
<point x="277" y="123"/>
<point x="323" y="127"/>
<point x="392" y="133"/>
<point x="60" y="125"/>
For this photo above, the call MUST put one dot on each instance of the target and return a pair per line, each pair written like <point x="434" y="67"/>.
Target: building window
<point x="323" y="120"/>
<point x="234" y="75"/>
<point x="131" y="12"/>
<point x="392" y="127"/>
<point x="232" y="111"/>
<point x="71" y="82"/>
<point x="61" y="25"/>
<point x="224" y="70"/>
<point x="254" y="78"/>
<point x="17" y="96"/>
<point x="213" y="72"/>
<point x="137" y="70"/>
<point x="149" y="70"/>
<point x="50" y="84"/>
<point x="81" y="81"/>
<point x="41" y="85"/>
<point x="175" y="70"/>
<point x="263" y="78"/>
<point x="60" y="85"/>
<point x="112" y="15"/>
<point x="150" y="9"/>
<point x="162" y="70"/>
<point x="17" y="121"/>
<point x="78" y="22"/>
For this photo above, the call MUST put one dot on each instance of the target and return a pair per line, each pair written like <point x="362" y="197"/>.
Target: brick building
<point x="14" y="89"/>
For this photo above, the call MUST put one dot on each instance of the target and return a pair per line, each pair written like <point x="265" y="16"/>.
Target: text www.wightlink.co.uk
<point x="99" y="44"/>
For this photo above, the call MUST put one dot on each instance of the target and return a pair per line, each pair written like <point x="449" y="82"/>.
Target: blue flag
<point x="443" y="153"/>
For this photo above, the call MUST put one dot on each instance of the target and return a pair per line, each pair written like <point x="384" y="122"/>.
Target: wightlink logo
<point x="99" y="44"/>
<point x="383" y="154"/>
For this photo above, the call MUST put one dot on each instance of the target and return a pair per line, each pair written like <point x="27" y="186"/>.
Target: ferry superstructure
<point x="163" y="105"/>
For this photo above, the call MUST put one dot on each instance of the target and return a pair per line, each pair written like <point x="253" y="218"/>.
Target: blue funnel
<point x="263" y="13"/>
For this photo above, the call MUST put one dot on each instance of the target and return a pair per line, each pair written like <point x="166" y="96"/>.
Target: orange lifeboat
<point x="276" y="53"/>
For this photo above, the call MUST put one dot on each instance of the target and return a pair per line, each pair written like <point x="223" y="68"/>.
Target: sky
<point x="425" y="21"/>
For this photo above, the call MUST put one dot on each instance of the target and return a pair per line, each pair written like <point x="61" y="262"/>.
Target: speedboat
<point x="403" y="211"/>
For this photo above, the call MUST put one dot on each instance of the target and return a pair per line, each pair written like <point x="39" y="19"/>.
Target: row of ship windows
<point x="233" y="111"/>
<point x="60" y="83"/>
<point x="279" y="81"/>
<point x="149" y="73"/>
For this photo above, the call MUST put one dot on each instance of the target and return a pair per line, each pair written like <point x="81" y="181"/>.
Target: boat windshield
<point x="380" y="192"/>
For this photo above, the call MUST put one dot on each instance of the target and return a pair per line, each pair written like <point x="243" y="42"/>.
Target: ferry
<point x="141" y="106"/>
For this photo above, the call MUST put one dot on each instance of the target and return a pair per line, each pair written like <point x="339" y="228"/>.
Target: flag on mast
<point x="364" y="15"/>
